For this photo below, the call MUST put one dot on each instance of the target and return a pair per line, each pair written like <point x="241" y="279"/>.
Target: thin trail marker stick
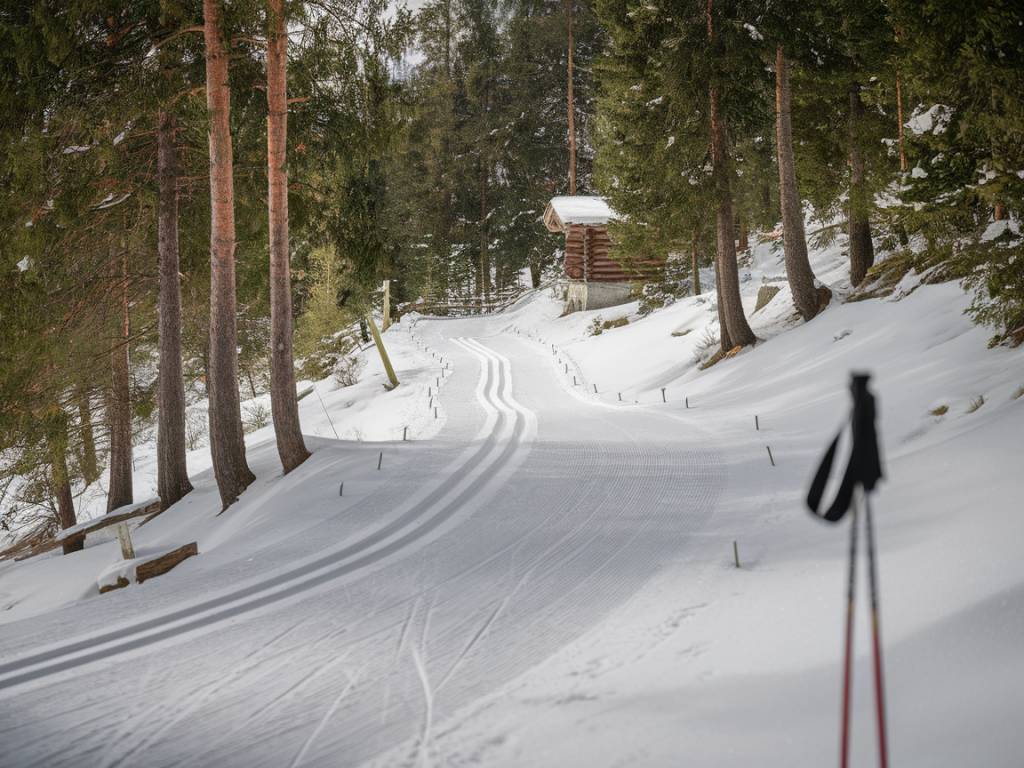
<point x="770" y="457"/>
<point x="341" y="489"/>
<point x="663" y="395"/>
<point x="736" y="553"/>
<point x="380" y="460"/>
<point x="329" y="420"/>
<point x="757" y="424"/>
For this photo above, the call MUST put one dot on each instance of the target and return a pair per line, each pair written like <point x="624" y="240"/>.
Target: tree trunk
<point x="694" y="265"/>
<point x="284" y="404"/>
<point x="571" y="99"/>
<point x="899" y="118"/>
<point x="60" y="481"/>
<point x="119" y="406"/>
<point x="794" y="241"/>
<point x="744" y="240"/>
<point x="535" y="273"/>
<point x="485" y="234"/>
<point x="90" y="464"/>
<point x="725" y="341"/>
<point x="739" y="332"/>
<point x="227" y="439"/>
<point x="171" y="471"/>
<point x="862" y="252"/>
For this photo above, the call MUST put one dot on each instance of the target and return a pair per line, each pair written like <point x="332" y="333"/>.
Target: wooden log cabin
<point x="597" y="278"/>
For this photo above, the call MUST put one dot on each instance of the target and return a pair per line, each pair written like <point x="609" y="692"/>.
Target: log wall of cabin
<point x="588" y="256"/>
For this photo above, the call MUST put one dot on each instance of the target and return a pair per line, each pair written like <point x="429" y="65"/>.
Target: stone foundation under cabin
<point x="582" y="295"/>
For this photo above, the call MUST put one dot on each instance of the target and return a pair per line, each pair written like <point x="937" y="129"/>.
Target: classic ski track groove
<point x="418" y="522"/>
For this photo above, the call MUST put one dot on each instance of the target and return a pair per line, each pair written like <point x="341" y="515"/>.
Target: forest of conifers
<point x="185" y="183"/>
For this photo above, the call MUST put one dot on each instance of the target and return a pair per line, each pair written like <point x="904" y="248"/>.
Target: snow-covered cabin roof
<point x="576" y="209"/>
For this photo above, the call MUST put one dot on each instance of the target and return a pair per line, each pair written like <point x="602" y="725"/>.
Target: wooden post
<point x="383" y="352"/>
<point x="386" y="322"/>
<point x="124" y="538"/>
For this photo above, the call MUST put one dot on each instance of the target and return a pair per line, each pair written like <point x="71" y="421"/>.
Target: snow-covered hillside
<point x="543" y="574"/>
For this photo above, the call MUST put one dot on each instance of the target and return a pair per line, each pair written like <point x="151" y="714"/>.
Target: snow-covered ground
<point x="543" y="575"/>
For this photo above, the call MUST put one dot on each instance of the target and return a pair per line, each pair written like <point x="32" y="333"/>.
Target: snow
<point x="933" y="120"/>
<point x="582" y="209"/>
<point x="544" y="575"/>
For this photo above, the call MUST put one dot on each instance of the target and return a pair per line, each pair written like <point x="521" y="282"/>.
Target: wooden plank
<point x="161" y="565"/>
<point x="113" y="517"/>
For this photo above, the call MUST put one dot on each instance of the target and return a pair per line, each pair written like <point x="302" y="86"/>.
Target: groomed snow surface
<point x="543" y="575"/>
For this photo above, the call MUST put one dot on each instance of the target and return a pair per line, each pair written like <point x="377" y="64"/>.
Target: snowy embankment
<point x="358" y="415"/>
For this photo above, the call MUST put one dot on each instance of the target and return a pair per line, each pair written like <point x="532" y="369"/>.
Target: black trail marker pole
<point x="405" y="432"/>
<point x="341" y="489"/>
<point x="663" y="395"/>
<point x="864" y="470"/>
<point x="757" y="424"/>
<point x="380" y="460"/>
<point x="595" y="389"/>
<point x="770" y="457"/>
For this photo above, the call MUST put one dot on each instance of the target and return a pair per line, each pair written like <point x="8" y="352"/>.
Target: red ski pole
<point x="876" y="636"/>
<point x="844" y="750"/>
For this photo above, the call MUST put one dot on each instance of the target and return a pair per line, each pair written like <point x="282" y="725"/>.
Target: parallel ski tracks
<point x="508" y="430"/>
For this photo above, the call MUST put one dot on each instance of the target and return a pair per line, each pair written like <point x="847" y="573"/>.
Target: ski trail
<point x="446" y="499"/>
<point x="423" y="752"/>
<point x="204" y="693"/>
<point x="472" y="642"/>
<point x="297" y="761"/>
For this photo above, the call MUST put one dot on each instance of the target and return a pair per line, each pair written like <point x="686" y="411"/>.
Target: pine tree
<point x="283" y="399"/>
<point x="227" y="440"/>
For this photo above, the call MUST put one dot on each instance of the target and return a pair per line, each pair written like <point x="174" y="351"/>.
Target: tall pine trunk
<point x="862" y="251"/>
<point x="171" y="470"/>
<point x="695" y="265"/>
<point x="60" y="480"/>
<point x="794" y="241"/>
<point x="730" y="302"/>
<point x="89" y="462"/>
<point x="485" y="234"/>
<point x="284" y="404"/>
<point x="119" y="406"/>
<point x="571" y="98"/>
<point x="227" y="439"/>
<point x="725" y="340"/>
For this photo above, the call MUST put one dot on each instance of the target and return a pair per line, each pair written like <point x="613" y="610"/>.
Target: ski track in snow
<point x="557" y="514"/>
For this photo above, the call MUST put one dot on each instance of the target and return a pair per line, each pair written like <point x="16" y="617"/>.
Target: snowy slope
<point x="544" y="575"/>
